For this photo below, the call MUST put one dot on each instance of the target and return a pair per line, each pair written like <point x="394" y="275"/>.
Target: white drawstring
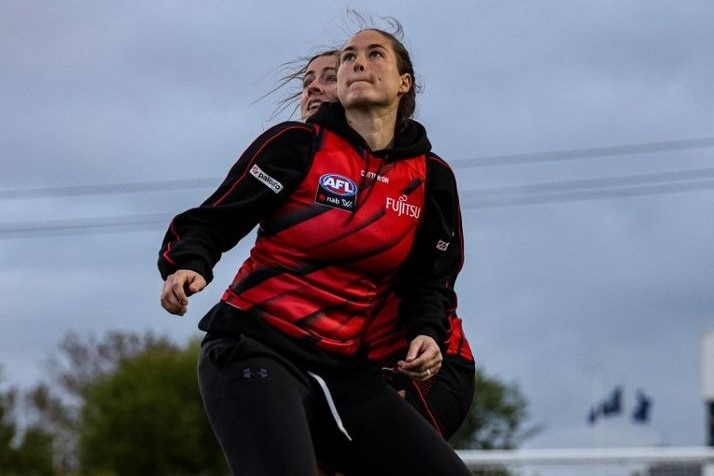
<point x="331" y="404"/>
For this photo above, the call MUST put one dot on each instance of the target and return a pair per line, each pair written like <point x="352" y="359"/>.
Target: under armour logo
<point x="254" y="374"/>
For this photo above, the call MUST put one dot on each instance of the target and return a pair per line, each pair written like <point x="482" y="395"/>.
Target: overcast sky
<point x="576" y="280"/>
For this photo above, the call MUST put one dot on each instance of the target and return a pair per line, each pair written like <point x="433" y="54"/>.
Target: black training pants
<point x="272" y="419"/>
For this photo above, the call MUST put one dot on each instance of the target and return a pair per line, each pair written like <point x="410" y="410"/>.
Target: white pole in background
<point x="708" y="390"/>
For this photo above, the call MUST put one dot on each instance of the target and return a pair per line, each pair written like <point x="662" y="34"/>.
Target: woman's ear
<point x="405" y="83"/>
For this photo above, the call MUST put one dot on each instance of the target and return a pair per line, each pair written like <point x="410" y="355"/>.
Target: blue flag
<point x="613" y="405"/>
<point x="641" y="414"/>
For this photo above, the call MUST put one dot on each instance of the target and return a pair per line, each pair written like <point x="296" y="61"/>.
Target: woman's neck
<point x="375" y="127"/>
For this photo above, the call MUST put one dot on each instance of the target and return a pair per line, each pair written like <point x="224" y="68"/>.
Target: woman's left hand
<point x="423" y="359"/>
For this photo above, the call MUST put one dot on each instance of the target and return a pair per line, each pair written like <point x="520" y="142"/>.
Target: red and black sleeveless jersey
<point x="334" y="246"/>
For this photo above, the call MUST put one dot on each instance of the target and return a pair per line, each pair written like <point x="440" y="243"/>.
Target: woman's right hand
<point x="178" y="287"/>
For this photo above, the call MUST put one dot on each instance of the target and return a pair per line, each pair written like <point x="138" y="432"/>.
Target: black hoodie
<point x="316" y="274"/>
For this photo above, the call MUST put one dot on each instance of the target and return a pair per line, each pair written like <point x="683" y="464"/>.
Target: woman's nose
<point x="358" y="64"/>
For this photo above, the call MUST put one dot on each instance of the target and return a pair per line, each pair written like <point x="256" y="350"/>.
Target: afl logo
<point x="338" y="185"/>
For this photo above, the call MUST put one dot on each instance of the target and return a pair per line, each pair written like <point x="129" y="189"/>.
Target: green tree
<point x="79" y="363"/>
<point x="8" y="431"/>
<point x="495" y="420"/>
<point x="126" y="404"/>
<point x="129" y="404"/>
<point x="147" y="418"/>
<point x="25" y="452"/>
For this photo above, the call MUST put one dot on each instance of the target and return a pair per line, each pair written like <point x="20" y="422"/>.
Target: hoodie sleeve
<point x="426" y="284"/>
<point x="269" y="169"/>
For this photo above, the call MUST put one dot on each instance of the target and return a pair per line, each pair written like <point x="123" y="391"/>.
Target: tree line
<point x="128" y="404"/>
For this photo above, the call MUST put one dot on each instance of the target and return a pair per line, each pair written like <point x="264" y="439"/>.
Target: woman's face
<point x="368" y="75"/>
<point x="318" y="85"/>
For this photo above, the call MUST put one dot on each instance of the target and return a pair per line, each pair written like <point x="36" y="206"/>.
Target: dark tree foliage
<point x="129" y="405"/>
<point x="146" y="417"/>
<point x="26" y="452"/>
<point x="126" y="404"/>
<point x="495" y="421"/>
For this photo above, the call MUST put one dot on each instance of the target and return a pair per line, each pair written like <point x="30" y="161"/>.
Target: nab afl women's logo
<point x="338" y="185"/>
<point x="336" y="191"/>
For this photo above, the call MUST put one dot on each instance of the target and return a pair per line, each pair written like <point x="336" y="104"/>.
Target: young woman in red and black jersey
<point x="352" y="207"/>
<point x="445" y="398"/>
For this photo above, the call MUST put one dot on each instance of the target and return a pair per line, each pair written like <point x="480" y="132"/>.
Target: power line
<point x="586" y="184"/>
<point x="108" y="189"/>
<point x="486" y="161"/>
<point x="547" y="192"/>
<point x="590" y="189"/>
<point x="83" y="226"/>
<point x="529" y="194"/>
<point x="586" y="194"/>
<point x="584" y="153"/>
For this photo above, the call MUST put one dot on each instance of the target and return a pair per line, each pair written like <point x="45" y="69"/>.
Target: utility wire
<point x="495" y="160"/>
<point x="588" y="189"/>
<point x="108" y="189"/>
<point x="83" y="226"/>
<point x="475" y="201"/>
<point x="585" y="153"/>
<point x="585" y="184"/>
<point x="545" y="192"/>
<point x="548" y="192"/>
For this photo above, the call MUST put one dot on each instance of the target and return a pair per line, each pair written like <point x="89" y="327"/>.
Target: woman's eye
<point x="331" y="79"/>
<point x="375" y="54"/>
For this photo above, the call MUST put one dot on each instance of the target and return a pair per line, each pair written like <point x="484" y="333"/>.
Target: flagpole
<point x="707" y="367"/>
<point x="597" y="392"/>
<point x="707" y="376"/>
